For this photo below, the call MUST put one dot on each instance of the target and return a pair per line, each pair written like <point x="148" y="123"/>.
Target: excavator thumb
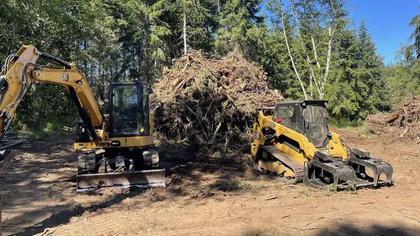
<point x="8" y="154"/>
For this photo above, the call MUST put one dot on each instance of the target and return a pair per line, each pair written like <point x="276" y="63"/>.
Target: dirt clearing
<point x="207" y="195"/>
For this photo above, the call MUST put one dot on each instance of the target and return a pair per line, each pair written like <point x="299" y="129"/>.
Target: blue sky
<point x="387" y="22"/>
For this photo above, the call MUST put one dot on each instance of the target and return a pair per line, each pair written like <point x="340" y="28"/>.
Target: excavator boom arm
<point x="21" y="70"/>
<point x="126" y="157"/>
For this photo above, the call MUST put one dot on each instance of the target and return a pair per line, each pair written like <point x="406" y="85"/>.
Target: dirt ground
<point x="206" y="195"/>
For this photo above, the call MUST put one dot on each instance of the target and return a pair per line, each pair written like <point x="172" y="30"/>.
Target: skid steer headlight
<point x="257" y="136"/>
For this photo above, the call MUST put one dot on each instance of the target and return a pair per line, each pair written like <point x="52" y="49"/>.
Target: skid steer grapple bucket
<point x="328" y="172"/>
<point x="369" y="171"/>
<point x="358" y="171"/>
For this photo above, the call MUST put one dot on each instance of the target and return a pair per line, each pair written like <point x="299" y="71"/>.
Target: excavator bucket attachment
<point x="141" y="178"/>
<point x="352" y="173"/>
<point x="6" y="153"/>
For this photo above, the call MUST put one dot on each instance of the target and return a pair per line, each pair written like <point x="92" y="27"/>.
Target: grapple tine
<point x="347" y="174"/>
<point x="328" y="173"/>
<point x="360" y="160"/>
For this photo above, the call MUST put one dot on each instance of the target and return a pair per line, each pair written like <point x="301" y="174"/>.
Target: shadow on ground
<point x="373" y="230"/>
<point x="39" y="187"/>
<point x="189" y="170"/>
<point x="342" y="230"/>
<point x="64" y="216"/>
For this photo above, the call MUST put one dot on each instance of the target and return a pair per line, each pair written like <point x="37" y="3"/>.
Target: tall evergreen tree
<point x="369" y="83"/>
<point x="357" y="87"/>
<point x="241" y="28"/>
<point x="196" y="23"/>
<point x="342" y="99"/>
<point x="413" y="50"/>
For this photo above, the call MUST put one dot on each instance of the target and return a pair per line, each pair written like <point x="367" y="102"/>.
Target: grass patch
<point x="226" y="185"/>
<point x="38" y="134"/>
<point x="345" y="123"/>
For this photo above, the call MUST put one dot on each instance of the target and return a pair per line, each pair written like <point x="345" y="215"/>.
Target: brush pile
<point x="405" y="120"/>
<point x="408" y="112"/>
<point x="407" y="117"/>
<point x="210" y="102"/>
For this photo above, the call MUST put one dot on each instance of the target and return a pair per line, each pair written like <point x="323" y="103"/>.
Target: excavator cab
<point x="129" y="109"/>
<point x="127" y="159"/>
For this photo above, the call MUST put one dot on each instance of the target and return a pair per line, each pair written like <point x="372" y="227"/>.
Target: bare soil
<point x="207" y="195"/>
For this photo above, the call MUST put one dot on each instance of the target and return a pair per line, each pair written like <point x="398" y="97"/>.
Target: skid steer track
<point x="289" y="162"/>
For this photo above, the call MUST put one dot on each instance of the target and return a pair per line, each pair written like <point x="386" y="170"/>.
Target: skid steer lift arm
<point x="116" y="149"/>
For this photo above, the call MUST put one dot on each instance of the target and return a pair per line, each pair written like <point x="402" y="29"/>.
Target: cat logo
<point x="65" y="77"/>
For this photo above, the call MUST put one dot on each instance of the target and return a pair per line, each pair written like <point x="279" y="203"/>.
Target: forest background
<point x="310" y="49"/>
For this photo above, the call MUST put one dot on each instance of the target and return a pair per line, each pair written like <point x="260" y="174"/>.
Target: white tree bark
<point x="311" y="93"/>
<point x="312" y="76"/>
<point x="315" y="52"/>
<point x="185" y="31"/>
<point x="331" y="30"/>
<point x="327" y="66"/>
<point x="291" y="58"/>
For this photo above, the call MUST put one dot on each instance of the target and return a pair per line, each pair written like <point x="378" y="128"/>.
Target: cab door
<point x="128" y="110"/>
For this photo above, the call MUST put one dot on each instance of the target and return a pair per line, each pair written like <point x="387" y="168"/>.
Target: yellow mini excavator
<point x="293" y="142"/>
<point x="115" y="149"/>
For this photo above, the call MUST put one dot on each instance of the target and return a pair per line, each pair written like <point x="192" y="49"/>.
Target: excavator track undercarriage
<point x="135" y="168"/>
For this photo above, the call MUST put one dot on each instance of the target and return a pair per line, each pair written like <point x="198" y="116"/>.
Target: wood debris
<point x="210" y="102"/>
<point x="406" y="119"/>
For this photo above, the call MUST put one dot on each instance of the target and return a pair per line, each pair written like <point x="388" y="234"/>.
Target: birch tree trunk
<point x="185" y="31"/>
<point x="312" y="77"/>
<point x="327" y="66"/>
<point x="291" y="58"/>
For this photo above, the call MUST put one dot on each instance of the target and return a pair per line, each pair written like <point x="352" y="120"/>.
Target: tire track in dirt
<point x="195" y="205"/>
